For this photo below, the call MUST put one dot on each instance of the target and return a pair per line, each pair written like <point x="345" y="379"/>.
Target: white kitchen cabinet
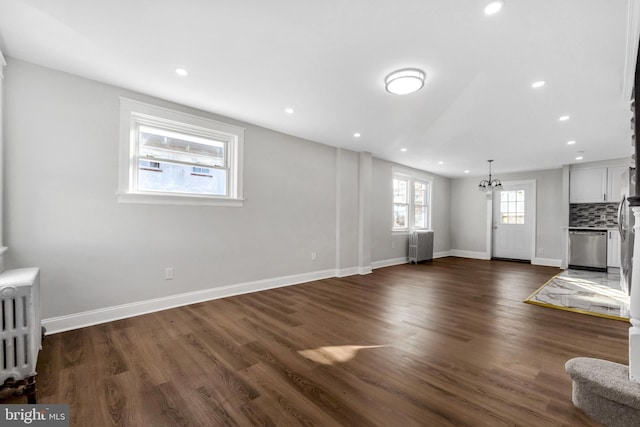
<point x="588" y="185"/>
<point x="613" y="248"/>
<point x="613" y="182"/>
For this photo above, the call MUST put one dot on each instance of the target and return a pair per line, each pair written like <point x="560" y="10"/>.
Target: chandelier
<point x="490" y="184"/>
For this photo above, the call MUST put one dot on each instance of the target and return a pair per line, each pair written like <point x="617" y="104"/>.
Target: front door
<point x="513" y="219"/>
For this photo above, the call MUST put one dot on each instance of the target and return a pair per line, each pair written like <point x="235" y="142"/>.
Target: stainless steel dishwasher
<point x="588" y="249"/>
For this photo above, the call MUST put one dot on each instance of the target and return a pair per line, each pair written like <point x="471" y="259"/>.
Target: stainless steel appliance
<point x="588" y="249"/>
<point x="626" y="222"/>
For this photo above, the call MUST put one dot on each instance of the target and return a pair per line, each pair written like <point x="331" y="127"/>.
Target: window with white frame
<point x="176" y="158"/>
<point x="411" y="202"/>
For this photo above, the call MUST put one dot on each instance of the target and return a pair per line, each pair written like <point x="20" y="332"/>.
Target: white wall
<point x="390" y="246"/>
<point x="469" y="213"/>
<point x="2" y="247"/>
<point x="62" y="215"/>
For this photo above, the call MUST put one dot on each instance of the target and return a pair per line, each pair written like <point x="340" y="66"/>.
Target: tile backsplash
<point x="593" y="214"/>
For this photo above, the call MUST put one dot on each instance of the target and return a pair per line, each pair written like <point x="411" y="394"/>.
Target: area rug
<point x="586" y="292"/>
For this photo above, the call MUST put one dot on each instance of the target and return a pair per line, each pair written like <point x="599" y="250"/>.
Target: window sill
<point x="403" y="232"/>
<point x="187" y="200"/>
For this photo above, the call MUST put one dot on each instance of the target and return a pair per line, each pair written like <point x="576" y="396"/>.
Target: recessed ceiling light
<point x="538" y="84"/>
<point x="182" y="72"/>
<point x="563" y="118"/>
<point x="405" y="81"/>
<point x="580" y="155"/>
<point x="441" y="162"/>
<point x="403" y="149"/>
<point x="288" y="110"/>
<point x="356" y="135"/>
<point x="493" y="7"/>
<point x="571" y="142"/>
<point x="466" y="171"/>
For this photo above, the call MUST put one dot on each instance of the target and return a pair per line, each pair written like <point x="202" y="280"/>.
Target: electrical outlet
<point x="313" y="256"/>
<point x="168" y="273"/>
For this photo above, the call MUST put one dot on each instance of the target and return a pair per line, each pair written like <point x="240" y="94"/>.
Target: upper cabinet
<point x="588" y="185"/>
<point x="595" y="185"/>
<point x="614" y="175"/>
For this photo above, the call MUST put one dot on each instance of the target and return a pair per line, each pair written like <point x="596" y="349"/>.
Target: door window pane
<point x="512" y="207"/>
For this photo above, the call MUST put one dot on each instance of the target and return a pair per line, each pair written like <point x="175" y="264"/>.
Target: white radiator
<point x="20" y="330"/>
<point x="420" y="246"/>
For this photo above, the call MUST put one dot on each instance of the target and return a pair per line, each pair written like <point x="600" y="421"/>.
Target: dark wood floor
<point x="437" y="344"/>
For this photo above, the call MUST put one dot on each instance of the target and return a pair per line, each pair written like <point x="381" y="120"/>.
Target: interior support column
<point x="365" y="167"/>
<point x="634" y="305"/>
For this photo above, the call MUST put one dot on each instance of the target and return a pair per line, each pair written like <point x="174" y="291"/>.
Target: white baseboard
<point x="403" y="260"/>
<point x="365" y="270"/>
<point x="109" y="314"/>
<point x="344" y="272"/>
<point x="389" y="262"/>
<point x="470" y="254"/>
<point x="550" y="262"/>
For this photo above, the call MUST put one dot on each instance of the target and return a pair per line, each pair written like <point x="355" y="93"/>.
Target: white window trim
<point x="412" y="176"/>
<point x="132" y="112"/>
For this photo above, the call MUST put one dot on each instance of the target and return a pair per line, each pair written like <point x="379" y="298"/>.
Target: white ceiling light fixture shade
<point x="182" y="72"/>
<point x="571" y="142"/>
<point x="538" y="84"/>
<point x="403" y="150"/>
<point x="405" y="81"/>
<point x="493" y="7"/>
<point x="564" y="118"/>
<point x="289" y="110"/>
<point x="357" y="135"/>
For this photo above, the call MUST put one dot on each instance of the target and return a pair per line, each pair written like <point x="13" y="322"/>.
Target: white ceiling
<point x="250" y="59"/>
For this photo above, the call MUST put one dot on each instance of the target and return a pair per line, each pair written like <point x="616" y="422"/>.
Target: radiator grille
<point x="15" y="335"/>
<point x="420" y="246"/>
<point x="20" y="328"/>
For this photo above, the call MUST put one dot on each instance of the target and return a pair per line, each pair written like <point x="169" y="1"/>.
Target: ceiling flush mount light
<point x="466" y="171"/>
<point x="403" y="149"/>
<point x="580" y="155"/>
<point x="288" y="110"/>
<point x="563" y="118"/>
<point x="405" y="81"/>
<point x="538" y="84"/>
<point x="571" y="142"/>
<point x="182" y="72"/>
<point x="493" y="7"/>
<point x="490" y="184"/>
<point x="356" y="135"/>
<point x="441" y="162"/>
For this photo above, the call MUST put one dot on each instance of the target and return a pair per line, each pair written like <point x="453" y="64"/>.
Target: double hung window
<point x="176" y="158"/>
<point x="411" y="202"/>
